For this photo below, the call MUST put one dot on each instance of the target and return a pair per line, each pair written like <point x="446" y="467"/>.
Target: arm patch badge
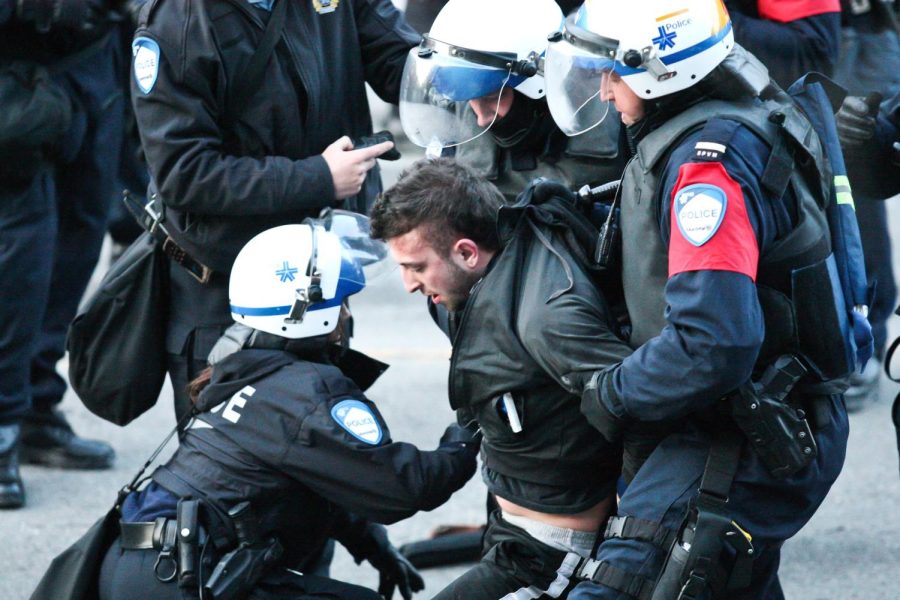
<point x="358" y="420"/>
<point x="699" y="211"/>
<point x="710" y="227"/>
<point x="145" y="53"/>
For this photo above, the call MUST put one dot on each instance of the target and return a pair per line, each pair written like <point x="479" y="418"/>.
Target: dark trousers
<point x="515" y="565"/>
<point x="27" y="222"/>
<point x="771" y="510"/>
<point x="51" y="231"/>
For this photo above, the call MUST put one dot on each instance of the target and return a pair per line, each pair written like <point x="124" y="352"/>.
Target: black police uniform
<point x="61" y="106"/>
<point x="226" y="173"/>
<point x="533" y="327"/>
<point x="297" y="439"/>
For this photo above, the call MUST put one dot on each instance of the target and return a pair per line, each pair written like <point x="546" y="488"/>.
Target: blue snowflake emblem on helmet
<point x="665" y="38"/>
<point x="286" y="272"/>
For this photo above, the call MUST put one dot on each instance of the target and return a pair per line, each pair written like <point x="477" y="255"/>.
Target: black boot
<point x="12" y="492"/>
<point x="48" y="439"/>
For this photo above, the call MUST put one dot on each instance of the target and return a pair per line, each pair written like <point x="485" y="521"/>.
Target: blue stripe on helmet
<point x="350" y="281"/>
<point x="265" y="311"/>
<point x="681" y="54"/>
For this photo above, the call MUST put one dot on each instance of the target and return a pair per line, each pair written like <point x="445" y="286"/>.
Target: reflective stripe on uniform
<point x="843" y="193"/>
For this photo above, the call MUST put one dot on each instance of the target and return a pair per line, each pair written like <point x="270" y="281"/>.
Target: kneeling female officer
<point x="285" y="451"/>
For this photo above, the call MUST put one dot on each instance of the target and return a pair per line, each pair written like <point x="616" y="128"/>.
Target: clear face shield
<point x="361" y="259"/>
<point x="576" y="71"/>
<point x="439" y="83"/>
<point x="353" y="230"/>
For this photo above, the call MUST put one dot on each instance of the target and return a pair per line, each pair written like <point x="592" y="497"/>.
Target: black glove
<point x="457" y="436"/>
<point x="856" y="120"/>
<point x="83" y="15"/>
<point x="609" y="425"/>
<point x="393" y="569"/>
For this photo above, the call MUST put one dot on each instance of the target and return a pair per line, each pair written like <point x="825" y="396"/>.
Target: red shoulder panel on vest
<point x="785" y="11"/>
<point x="710" y="228"/>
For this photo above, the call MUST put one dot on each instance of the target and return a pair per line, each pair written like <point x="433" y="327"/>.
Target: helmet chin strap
<point x="311" y="294"/>
<point x="584" y="104"/>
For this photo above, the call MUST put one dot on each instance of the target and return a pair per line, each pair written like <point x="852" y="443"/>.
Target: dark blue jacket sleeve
<point x="791" y="49"/>
<point x="715" y="325"/>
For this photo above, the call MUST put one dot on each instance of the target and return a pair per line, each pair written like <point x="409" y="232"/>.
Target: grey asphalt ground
<point x="850" y="550"/>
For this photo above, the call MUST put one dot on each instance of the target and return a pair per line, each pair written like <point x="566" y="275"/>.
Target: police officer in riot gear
<point x="726" y="261"/>
<point x="474" y="90"/>
<point x="285" y="450"/>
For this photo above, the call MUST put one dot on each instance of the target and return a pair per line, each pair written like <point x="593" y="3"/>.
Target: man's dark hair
<point x="449" y="199"/>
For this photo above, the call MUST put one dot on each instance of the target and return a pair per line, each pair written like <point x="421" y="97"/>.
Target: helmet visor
<point x="434" y="98"/>
<point x="575" y="81"/>
<point x="357" y="246"/>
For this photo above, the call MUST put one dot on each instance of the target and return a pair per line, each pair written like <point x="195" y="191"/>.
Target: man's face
<point x="445" y="279"/>
<point x="629" y="104"/>
<point x="497" y="104"/>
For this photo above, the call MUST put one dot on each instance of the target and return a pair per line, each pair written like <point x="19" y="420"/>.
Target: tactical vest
<point x="792" y="273"/>
<point x="557" y="463"/>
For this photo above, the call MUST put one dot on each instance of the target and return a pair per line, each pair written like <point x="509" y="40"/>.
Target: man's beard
<point x="461" y="284"/>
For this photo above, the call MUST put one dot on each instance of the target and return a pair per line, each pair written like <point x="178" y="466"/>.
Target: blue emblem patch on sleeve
<point x="145" y="53"/>
<point x="359" y="421"/>
<point x="699" y="211"/>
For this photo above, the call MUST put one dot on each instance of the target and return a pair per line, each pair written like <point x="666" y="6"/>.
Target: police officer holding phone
<point x="238" y="142"/>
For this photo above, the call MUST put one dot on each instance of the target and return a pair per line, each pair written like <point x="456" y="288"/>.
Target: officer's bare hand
<point x="349" y="167"/>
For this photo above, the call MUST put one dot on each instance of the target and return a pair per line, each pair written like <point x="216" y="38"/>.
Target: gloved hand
<point x="855" y="121"/>
<point x="83" y="15"/>
<point x="468" y="437"/>
<point x="595" y="410"/>
<point x="393" y="568"/>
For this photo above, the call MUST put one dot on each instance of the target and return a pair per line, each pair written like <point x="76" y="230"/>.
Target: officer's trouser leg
<point x="83" y="192"/>
<point x="27" y="233"/>
<point x="129" y="575"/>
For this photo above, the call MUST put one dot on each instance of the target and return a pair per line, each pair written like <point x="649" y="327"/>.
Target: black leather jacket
<point x="535" y="327"/>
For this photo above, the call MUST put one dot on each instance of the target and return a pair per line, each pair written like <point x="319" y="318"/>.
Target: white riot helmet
<point x="475" y="49"/>
<point x="290" y="281"/>
<point x="657" y="47"/>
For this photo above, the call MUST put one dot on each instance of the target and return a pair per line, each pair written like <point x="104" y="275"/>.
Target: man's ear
<point x="467" y="252"/>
